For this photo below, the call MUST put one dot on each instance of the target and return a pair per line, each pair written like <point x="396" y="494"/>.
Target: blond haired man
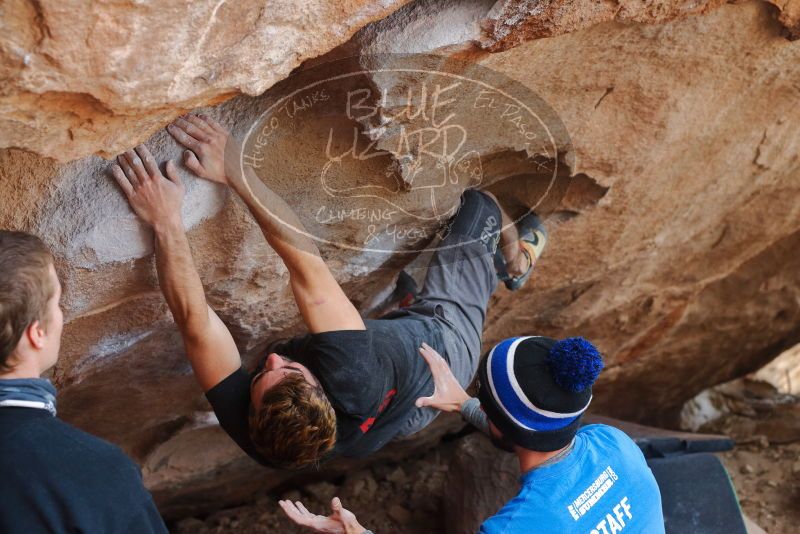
<point x="55" y="478"/>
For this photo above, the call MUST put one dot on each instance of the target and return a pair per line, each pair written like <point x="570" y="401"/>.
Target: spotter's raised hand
<point x="341" y="520"/>
<point x="448" y="395"/>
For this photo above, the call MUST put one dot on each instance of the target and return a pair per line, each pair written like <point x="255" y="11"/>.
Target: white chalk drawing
<point x="420" y="124"/>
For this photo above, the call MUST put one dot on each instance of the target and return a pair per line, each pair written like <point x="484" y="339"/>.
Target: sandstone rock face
<point x="512" y="22"/>
<point x="670" y="187"/>
<point x="745" y="409"/>
<point x="696" y="236"/>
<point x="762" y="405"/>
<point x="783" y="372"/>
<point x="97" y="78"/>
<point x="80" y="80"/>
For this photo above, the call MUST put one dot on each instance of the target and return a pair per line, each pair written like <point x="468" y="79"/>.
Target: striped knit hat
<point x="535" y="389"/>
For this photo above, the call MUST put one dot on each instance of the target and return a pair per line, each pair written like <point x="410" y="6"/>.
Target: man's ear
<point x="35" y="335"/>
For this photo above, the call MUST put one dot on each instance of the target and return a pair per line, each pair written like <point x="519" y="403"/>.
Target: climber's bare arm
<point x="208" y="342"/>
<point x="157" y="201"/>
<point x="321" y="301"/>
<point x="214" y="155"/>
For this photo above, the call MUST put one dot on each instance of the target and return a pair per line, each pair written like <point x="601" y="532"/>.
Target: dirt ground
<point x="406" y="498"/>
<point x="767" y="481"/>
<point x="398" y="498"/>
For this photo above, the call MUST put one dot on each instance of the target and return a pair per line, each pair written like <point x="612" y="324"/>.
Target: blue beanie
<point x="535" y="389"/>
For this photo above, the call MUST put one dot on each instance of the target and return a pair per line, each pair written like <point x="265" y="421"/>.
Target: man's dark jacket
<point x="55" y="478"/>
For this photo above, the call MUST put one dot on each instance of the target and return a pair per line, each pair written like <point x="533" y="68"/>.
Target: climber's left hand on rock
<point x="212" y="152"/>
<point x="154" y="198"/>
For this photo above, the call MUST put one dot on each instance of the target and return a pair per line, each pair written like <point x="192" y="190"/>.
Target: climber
<point x="55" y="478"/>
<point x="532" y="393"/>
<point x="349" y="386"/>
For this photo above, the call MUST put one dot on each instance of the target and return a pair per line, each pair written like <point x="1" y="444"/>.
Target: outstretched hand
<point x="341" y="521"/>
<point x="212" y="153"/>
<point x="155" y="199"/>
<point x="448" y="395"/>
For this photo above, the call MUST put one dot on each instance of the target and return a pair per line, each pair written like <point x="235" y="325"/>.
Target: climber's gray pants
<point x="460" y="280"/>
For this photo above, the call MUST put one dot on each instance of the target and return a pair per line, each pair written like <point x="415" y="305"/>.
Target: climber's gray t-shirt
<point x="372" y="378"/>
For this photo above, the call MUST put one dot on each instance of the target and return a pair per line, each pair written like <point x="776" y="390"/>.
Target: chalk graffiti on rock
<point x="399" y="145"/>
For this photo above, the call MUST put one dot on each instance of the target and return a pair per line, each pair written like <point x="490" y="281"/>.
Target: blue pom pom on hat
<point x="574" y="363"/>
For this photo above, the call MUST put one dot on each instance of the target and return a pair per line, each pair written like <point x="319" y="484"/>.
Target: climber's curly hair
<point x="295" y="425"/>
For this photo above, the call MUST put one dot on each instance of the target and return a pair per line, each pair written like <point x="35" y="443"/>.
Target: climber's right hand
<point x="212" y="153"/>
<point x="155" y="199"/>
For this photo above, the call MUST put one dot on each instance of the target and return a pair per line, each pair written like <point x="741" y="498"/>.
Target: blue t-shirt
<point x="603" y="486"/>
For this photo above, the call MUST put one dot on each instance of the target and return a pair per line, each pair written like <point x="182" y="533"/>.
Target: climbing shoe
<point x="532" y="239"/>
